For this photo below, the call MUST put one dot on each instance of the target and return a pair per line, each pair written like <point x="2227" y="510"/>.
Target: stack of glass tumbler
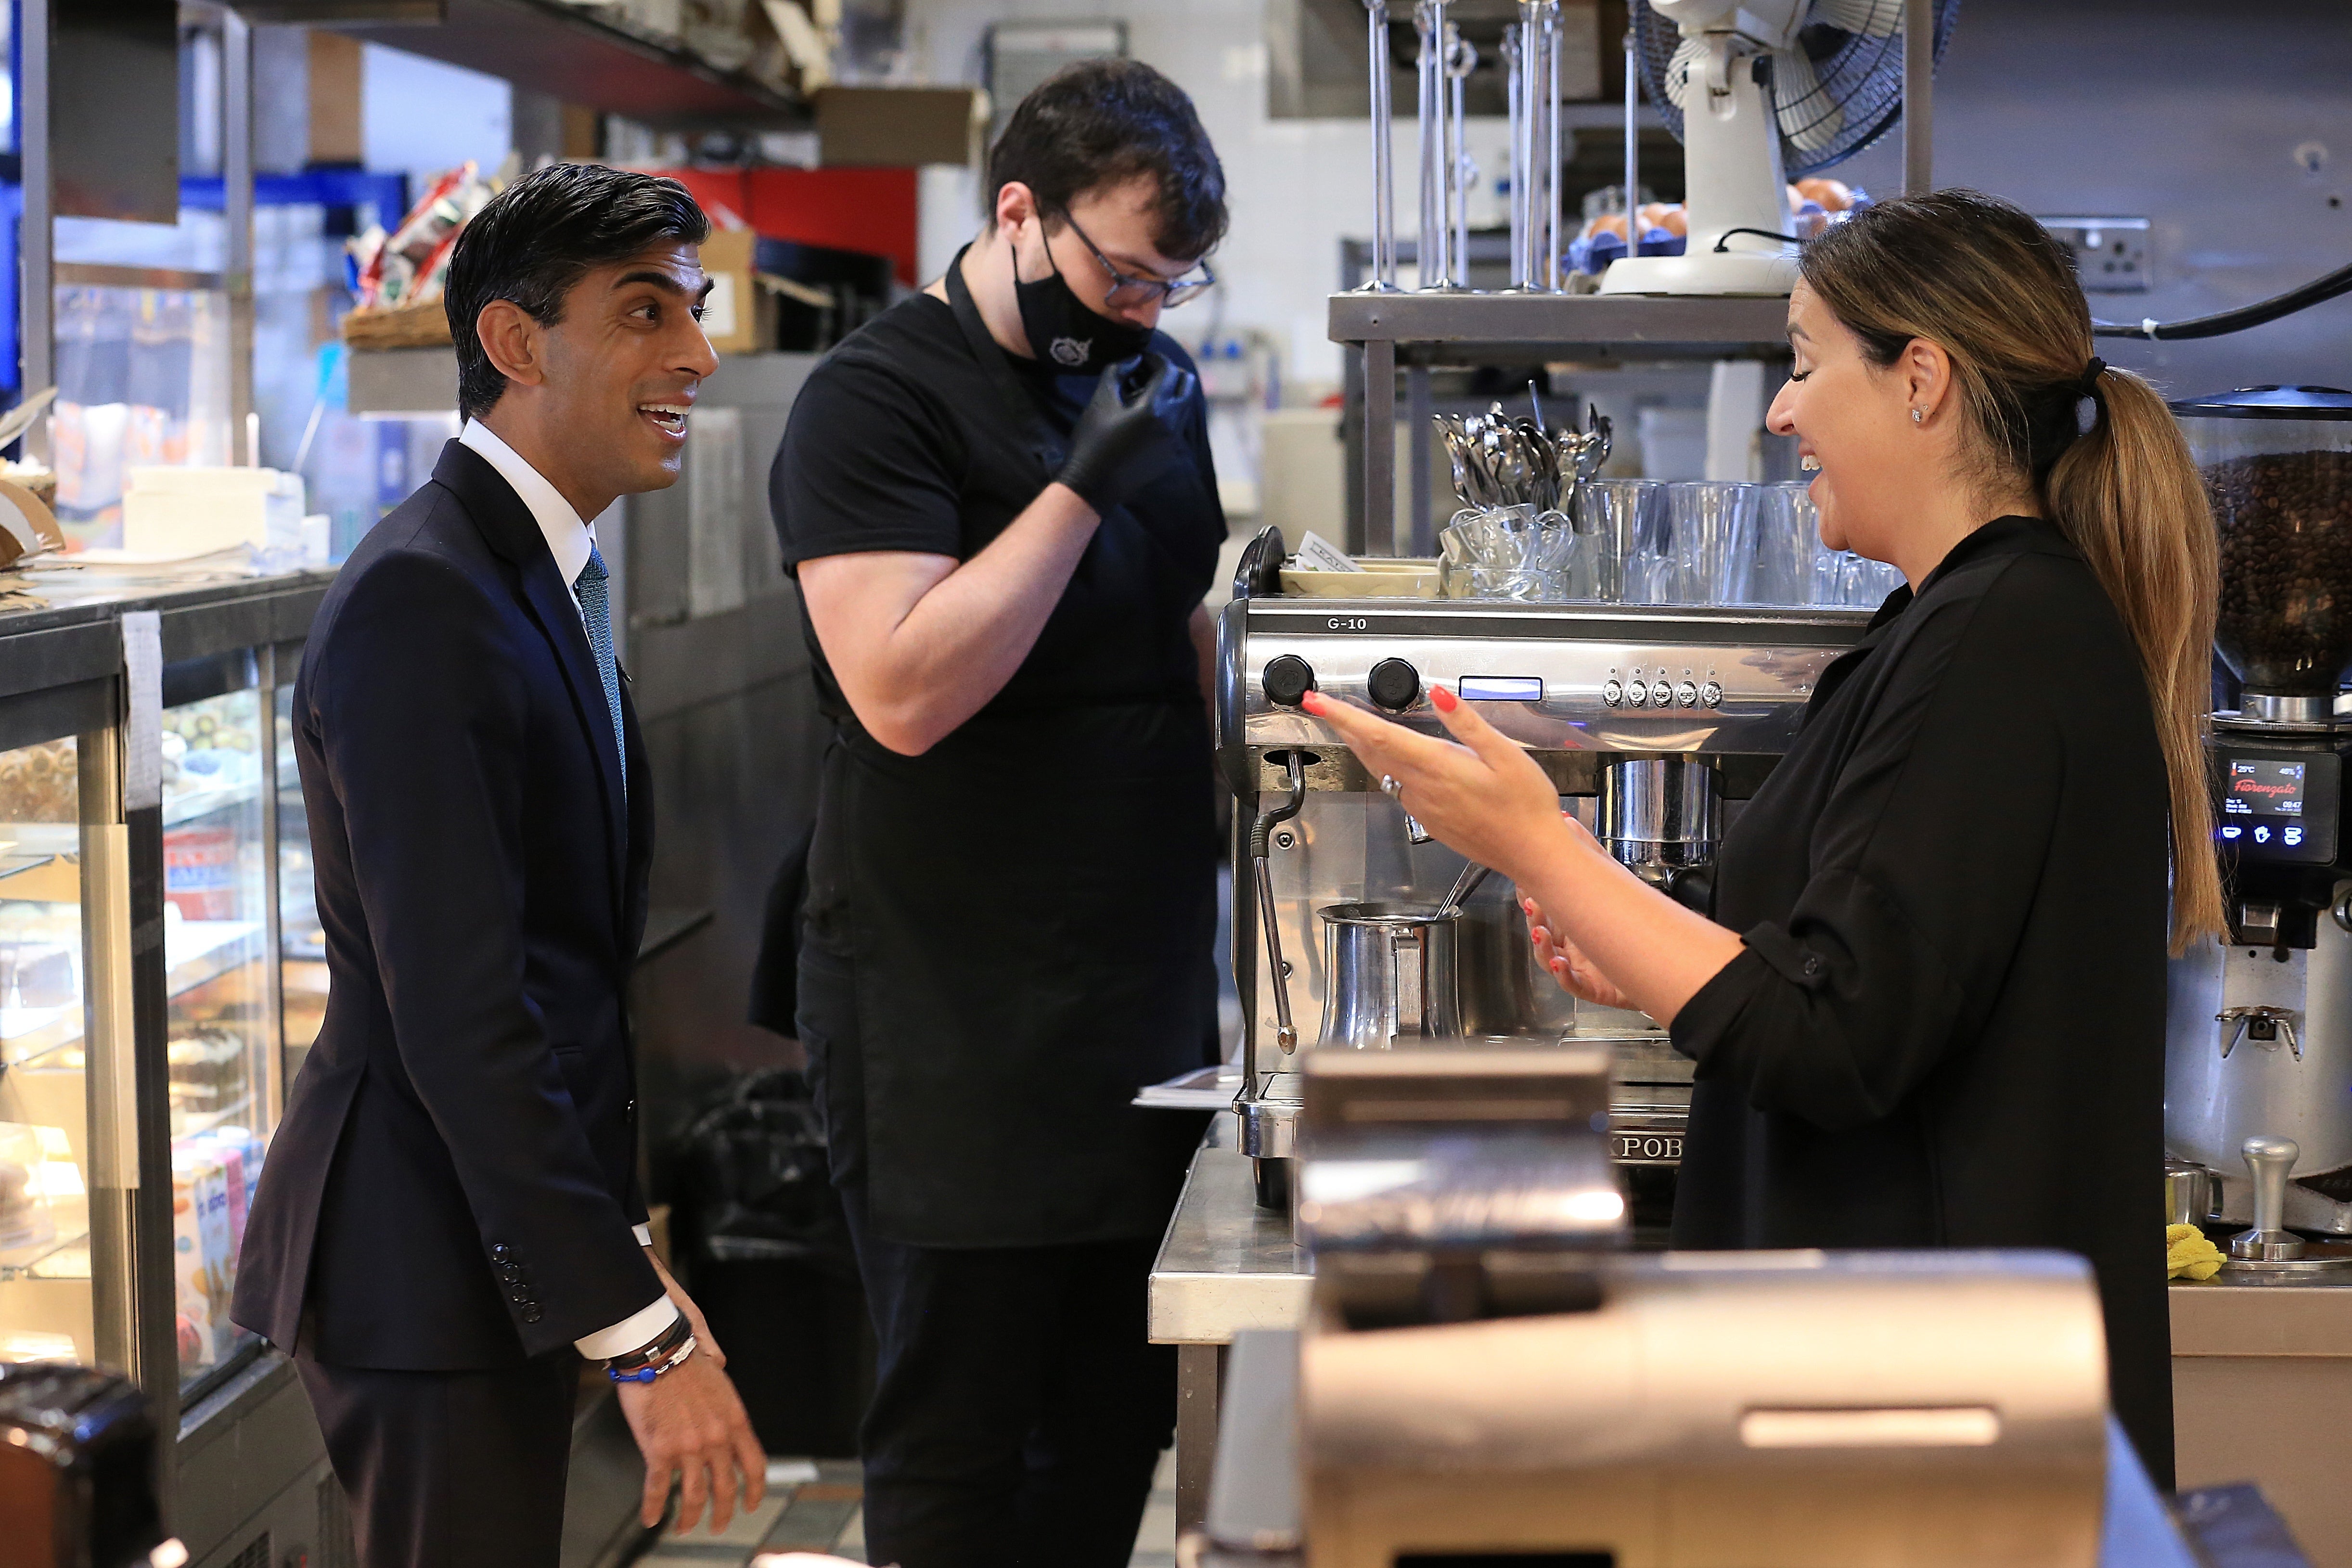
<point x="1650" y="542"/>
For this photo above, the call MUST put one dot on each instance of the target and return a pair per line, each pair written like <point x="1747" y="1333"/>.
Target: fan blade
<point x="1811" y="118"/>
<point x="1690" y="54"/>
<point x="1876" y="19"/>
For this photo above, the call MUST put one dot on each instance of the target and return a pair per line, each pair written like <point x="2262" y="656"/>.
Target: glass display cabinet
<point x="160" y="981"/>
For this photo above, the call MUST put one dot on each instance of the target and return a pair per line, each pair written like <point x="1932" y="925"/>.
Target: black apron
<point x="1009" y="935"/>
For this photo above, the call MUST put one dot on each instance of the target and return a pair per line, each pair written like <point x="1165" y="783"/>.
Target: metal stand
<point x="1376" y="42"/>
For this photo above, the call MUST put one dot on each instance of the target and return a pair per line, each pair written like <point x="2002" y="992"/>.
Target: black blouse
<point x="1946" y="1026"/>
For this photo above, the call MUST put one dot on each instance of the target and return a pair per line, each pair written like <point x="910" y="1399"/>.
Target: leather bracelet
<point x="653" y="1370"/>
<point x="659" y="1348"/>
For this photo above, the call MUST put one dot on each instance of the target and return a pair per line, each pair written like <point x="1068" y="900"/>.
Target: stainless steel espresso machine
<point x="2258" y="1086"/>
<point x="1656" y="723"/>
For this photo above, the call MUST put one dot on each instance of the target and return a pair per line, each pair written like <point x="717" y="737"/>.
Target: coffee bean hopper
<point x="1657" y="723"/>
<point x="2259" y="1035"/>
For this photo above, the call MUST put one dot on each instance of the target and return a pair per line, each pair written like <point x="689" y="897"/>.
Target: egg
<point x="1607" y="223"/>
<point x="1672" y="216"/>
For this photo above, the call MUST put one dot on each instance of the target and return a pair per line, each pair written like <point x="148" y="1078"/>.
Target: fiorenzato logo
<point x="2249" y="785"/>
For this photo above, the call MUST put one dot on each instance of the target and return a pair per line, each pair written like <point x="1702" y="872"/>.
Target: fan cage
<point x="1857" y="73"/>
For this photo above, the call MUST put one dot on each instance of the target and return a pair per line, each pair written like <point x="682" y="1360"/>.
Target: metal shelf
<point x="1476" y="329"/>
<point x="564" y="52"/>
<point x="1420" y="330"/>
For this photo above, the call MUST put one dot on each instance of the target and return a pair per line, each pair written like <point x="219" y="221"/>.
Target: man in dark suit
<point x="444" y="1226"/>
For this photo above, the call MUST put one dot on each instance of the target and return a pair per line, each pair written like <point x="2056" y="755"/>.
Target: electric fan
<point x="1759" y="93"/>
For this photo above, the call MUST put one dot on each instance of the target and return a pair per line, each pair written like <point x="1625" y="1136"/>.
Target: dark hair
<point x="1982" y="280"/>
<point x="540" y="235"/>
<point x="1103" y="122"/>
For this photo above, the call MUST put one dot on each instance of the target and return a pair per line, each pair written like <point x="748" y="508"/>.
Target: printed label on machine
<point x="1499" y="688"/>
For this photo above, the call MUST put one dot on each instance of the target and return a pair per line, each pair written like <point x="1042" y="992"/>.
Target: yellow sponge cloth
<point x="2187" y="1252"/>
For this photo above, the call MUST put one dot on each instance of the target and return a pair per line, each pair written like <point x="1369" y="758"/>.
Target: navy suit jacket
<point x="455" y="1180"/>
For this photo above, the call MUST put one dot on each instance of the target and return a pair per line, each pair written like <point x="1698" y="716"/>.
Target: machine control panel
<point x="2278" y="805"/>
<point x="1661" y="691"/>
<point x="1289" y="679"/>
<point x="1393" y="684"/>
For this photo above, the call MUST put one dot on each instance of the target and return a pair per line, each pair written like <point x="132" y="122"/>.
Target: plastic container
<point x="2277" y="465"/>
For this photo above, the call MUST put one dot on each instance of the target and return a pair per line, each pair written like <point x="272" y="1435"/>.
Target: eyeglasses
<point x="1128" y="293"/>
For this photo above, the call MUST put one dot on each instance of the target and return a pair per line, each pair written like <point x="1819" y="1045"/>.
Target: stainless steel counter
<point x="1223" y="1265"/>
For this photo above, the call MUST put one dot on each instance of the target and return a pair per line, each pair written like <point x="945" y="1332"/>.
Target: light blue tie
<point x="596" y="613"/>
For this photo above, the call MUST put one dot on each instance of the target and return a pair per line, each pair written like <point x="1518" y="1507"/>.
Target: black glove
<point x="1127" y="432"/>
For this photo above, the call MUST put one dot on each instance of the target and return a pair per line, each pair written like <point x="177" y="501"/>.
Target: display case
<point x="160" y="979"/>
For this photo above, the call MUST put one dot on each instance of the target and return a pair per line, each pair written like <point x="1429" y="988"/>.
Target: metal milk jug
<point x="1391" y="970"/>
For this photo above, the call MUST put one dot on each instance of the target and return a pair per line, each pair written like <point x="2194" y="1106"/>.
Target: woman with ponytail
<point x="1929" y="1008"/>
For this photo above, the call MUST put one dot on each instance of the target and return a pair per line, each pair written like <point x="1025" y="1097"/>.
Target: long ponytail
<point x="1978" y="277"/>
<point x="2128" y="494"/>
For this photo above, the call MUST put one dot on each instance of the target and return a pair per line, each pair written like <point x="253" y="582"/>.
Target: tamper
<point x="2269" y="1160"/>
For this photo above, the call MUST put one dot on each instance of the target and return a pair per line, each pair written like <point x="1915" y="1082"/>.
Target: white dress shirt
<point x="569" y="539"/>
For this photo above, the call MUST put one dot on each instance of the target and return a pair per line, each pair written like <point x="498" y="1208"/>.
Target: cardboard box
<point x="900" y="127"/>
<point x="739" y="317"/>
<point x="180" y="512"/>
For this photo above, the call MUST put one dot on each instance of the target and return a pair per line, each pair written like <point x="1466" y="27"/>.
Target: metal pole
<point x="1553" y="242"/>
<point x="1376" y="43"/>
<point x="1419" y="426"/>
<point x="1428" y="122"/>
<point x="1918" y="96"/>
<point x="37" y="307"/>
<point x="1379" y="447"/>
<point x="1513" y="50"/>
<point x="1633" y="137"/>
<point x="1461" y="60"/>
<point x="236" y="210"/>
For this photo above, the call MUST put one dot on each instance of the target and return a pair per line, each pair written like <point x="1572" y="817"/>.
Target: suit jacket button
<point x="501" y="1252"/>
<point x="532" y="1314"/>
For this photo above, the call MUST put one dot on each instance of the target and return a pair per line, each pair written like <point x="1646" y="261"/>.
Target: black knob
<point x="1394" y="684"/>
<point x="1288" y="679"/>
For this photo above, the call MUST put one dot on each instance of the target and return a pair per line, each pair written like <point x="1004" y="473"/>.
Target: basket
<point x="423" y="325"/>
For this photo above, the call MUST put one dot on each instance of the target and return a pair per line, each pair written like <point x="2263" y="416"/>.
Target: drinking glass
<point x="1621" y="520"/>
<point x="1711" y="524"/>
<point x="1788" y="540"/>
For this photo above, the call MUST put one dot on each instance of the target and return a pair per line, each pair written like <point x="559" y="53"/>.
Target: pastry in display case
<point x="44" y="1270"/>
<point x="222" y="1032"/>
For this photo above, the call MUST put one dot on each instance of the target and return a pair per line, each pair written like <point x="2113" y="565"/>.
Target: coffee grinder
<point x="2258" y="1062"/>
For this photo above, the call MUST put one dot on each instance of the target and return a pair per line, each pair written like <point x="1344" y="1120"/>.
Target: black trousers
<point x="450" y="1469"/>
<point x="1019" y="1406"/>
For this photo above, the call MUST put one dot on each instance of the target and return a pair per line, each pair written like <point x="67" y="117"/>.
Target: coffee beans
<point x="2286" y="526"/>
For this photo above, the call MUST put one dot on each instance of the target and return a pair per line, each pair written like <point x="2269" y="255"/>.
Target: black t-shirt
<point x="1947" y="1025"/>
<point x="901" y="441"/>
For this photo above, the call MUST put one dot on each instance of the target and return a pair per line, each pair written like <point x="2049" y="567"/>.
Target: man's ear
<point x="1016" y="203"/>
<point x="512" y="340"/>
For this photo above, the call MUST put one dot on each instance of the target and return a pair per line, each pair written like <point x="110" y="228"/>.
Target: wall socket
<point x="2110" y="253"/>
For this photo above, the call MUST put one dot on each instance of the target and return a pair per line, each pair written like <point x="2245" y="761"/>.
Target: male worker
<point x="445" y="1226"/>
<point x="998" y="500"/>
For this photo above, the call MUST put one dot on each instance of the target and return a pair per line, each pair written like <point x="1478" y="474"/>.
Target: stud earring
<point x="1918" y="416"/>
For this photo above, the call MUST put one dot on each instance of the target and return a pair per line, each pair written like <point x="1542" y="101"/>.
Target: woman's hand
<point x="1568" y="965"/>
<point x="1484" y="798"/>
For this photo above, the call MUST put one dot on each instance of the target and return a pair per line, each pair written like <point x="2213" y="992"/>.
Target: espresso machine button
<point x="1288" y="679"/>
<point x="1393" y="684"/>
<point x="1613" y="692"/>
<point x="1637" y="694"/>
<point x="1687" y="694"/>
<point x="1711" y="694"/>
<point x="1662" y="693"/>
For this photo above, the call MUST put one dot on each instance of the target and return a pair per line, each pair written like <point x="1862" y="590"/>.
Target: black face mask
<point x="1065" y="335"/>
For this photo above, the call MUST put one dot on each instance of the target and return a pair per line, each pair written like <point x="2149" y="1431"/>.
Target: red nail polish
<point x="1444" y="701"/>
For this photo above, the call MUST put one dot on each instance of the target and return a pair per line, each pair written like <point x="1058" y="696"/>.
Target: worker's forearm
<point x="960" y="642"/>
<point x="1657" y="952"/>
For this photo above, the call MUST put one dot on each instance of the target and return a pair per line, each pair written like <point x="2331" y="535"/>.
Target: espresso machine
<point x="2258" y="1058"/>
<point x="1657" y="723"/>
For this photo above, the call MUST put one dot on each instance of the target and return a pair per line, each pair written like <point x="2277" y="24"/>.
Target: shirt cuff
<point x="644" y="1233"/>
<point x="632" y="1332"/>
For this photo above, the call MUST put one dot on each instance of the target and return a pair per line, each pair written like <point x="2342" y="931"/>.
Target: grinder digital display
<point x="2279" y="807"/>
